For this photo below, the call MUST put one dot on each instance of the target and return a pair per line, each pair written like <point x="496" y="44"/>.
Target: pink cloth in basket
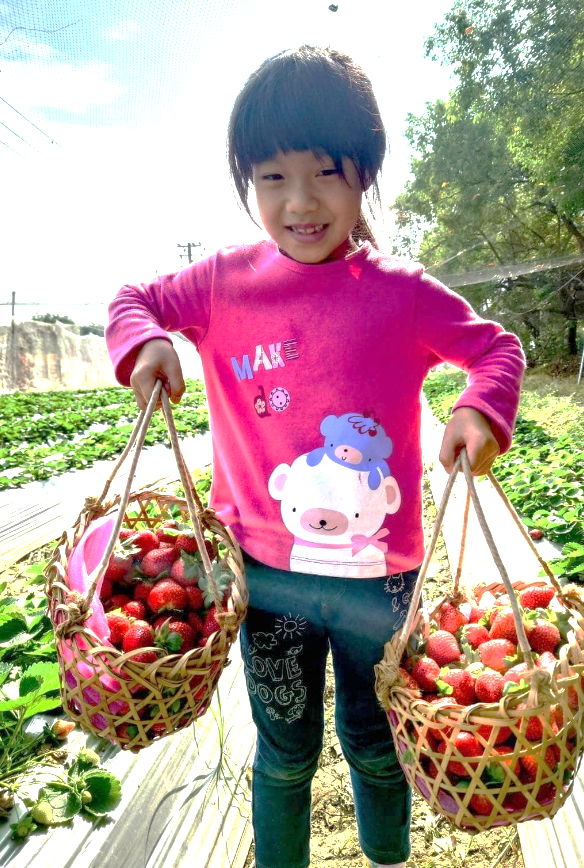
<point x="83" y="560"/>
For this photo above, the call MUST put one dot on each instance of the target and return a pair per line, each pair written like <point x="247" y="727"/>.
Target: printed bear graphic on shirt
<point x="335" y="499"/>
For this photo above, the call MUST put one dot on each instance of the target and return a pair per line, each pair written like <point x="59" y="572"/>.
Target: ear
<point x="277" y="481"/>
<point x="392" y="495"/>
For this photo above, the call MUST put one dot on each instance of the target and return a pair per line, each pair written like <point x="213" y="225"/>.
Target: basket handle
<point x="463" y="462"/>
<point x="194" y="505"/>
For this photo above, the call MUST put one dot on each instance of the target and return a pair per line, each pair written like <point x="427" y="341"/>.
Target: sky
<point x="112" y="128"/>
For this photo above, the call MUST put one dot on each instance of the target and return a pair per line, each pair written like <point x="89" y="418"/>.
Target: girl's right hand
<point x="157" y="360"/>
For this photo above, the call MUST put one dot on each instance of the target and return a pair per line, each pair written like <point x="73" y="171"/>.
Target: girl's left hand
<point x="468" y="427"/>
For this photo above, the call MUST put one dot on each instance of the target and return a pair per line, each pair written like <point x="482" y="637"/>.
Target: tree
<point x="52" y="318"/>
<point x="498" y="168"/>
<point x="526" y="59"/>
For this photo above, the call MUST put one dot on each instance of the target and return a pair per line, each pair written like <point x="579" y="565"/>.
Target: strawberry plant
<point x="541" y="475"/>
<point x="45" y="434"/>
<point x="29" y="755"/>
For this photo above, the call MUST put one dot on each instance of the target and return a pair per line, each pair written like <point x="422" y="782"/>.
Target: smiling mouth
<point x="307" y="230"/>
<point x="320" y="529"/>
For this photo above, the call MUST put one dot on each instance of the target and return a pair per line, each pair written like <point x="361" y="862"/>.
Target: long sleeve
<point x="141" y="313"/>
<point x="449" y="330"/>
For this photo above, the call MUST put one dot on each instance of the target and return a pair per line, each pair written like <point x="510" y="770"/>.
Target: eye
<point x="293" y="509"/>
<point x="356" y="515"/>
<point x="273" y="176"/>
<point x="326" y="173"/>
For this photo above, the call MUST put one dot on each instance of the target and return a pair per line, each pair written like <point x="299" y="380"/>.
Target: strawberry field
<point x="543" y="472"/>
<point x="45" y="434"/>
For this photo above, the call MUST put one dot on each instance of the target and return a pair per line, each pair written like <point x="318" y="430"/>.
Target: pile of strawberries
<point x="472" y="656"/>
<point x="155" y="591"/>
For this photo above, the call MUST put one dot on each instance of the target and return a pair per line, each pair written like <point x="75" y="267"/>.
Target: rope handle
<point x="193" y="501"/>
<point x="462" y="462"/>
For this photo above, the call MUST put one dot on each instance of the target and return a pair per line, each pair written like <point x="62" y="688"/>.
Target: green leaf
<point x="12" y="628"/>
<point x="105" y="790"/>
<point x="63" y="799"/>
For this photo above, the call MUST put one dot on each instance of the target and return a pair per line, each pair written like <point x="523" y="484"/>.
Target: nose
<point x="302" y="199"/>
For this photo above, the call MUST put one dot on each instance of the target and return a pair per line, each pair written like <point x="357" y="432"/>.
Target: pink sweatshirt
<point x="313" y="376"/>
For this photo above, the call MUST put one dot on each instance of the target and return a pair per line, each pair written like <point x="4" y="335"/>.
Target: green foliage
<point x="48" y="433"/>
<point x="541" y="474"/>
<point x="498" y="167"/>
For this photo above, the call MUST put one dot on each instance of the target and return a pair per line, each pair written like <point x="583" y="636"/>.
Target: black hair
<point x="307" y="99"/>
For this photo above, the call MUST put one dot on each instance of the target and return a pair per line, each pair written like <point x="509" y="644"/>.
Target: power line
<point x="53" y="142"/>
<point x="20" y="137"/>
<point x="12" y="149"/>
<point x="37" y="30"/>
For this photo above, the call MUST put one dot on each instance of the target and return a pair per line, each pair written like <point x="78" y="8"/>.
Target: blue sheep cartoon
<point x="356" y="442"/>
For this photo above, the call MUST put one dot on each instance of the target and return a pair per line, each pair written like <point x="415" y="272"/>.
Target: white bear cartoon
<point x="335" y="517"/>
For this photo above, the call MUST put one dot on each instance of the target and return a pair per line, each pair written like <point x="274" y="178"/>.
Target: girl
<point x="314" y="347"/>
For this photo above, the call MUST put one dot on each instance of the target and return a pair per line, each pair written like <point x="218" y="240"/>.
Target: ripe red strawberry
<point x="118" y="627"/>
<point x="158" y="561"/>
<point x="515" y="802"/>
<point x="126" y="731"/>
<point x="167" y="596"/>
<point x="210" y="624"/>
<point x="494" y="652"/>
<point x="144" y="541"/>
<point x="119" y="566"/>
<point x="544" y="637"/>
<point x="195" y="621"/>
<point x="426" y="672"/>
<point x="442" y="647"/>
<point x="474" y="634"/>
<point x="176" y="636"/>
<point x="186" y="570"/>
<point x="536" y="533"/>
<point x="503" y="626"/>
<point x="467" y="744"/>
<point x="462" y="683"/>
<point x="195" y="599"/>
<point x="480" y="804"/>
<point x="517" y="673"/>
<point x="477" y="613"/>
<point x="441" y="732"/>
<point x="503" y="733"/>
<point x="505" y="750"/>
<point x="106" y="590"/>
<point x="532" y="726"/>
<point x="489" y="686"/>
<point x="140" y="635"/>
<point x="529" y="763"/>
<point x="141" y="590"/>
<point x="405" y="679"/>
<point x="546" y="793"/>
<point x="450" y="618"/>
<point x="116" y="601"/>
<point x="547" y="660"/>
<point x="135" y="609"/>
<point x="157" y="730"/>
<point x="187" y="542"/>
<point x="536" y="598"/>
<point x="167" y="532"/>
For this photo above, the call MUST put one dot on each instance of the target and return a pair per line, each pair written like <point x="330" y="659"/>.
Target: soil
<point x="436" y="843"/>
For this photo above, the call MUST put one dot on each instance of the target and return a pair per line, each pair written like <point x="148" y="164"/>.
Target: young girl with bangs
<point x="314" y="347"/>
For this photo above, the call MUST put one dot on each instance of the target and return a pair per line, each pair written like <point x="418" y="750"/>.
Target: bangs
<point x="296" y="102"/>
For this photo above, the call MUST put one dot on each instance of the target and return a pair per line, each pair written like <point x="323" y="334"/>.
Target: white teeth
<point x="309" y="230"/>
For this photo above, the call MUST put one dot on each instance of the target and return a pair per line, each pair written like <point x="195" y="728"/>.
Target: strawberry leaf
<point x="444" y="689"/>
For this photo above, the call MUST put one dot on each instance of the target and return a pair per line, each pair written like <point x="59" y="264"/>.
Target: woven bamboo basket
<point x="481" y="792"/>
<point x="107" y="692"/>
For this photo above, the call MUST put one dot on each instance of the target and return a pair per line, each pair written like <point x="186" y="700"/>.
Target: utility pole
<point x="188" y="247"/>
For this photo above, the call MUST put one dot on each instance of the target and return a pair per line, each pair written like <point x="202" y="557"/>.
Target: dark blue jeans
<point x="293" y="621"/>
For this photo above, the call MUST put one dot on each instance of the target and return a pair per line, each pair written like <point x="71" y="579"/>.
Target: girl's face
<point x="306" y="206"/>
